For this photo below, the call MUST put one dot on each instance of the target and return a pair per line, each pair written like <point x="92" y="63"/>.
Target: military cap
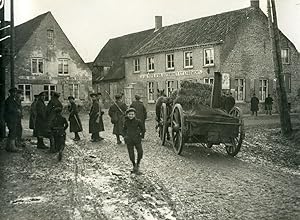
<point x="137" y="97"/>
<point x="42" y="93"/>
<point x="13" y="90"/>
<point x="130" y="110"/>
<point x="71" y="97"/>
<point x="36" y="96"/>
<point x="56" y="94"/>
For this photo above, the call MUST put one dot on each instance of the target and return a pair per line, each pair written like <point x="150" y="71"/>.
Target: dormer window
<point x="285" y="56"/>
<point x="50" y="36"/>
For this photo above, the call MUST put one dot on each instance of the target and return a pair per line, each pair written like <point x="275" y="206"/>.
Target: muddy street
<point x="93" y="181"/>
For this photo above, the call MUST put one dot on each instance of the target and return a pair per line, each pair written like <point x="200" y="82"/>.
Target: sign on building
<point x="225" y="81"/>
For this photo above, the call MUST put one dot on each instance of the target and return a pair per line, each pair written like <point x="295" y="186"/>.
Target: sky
<point x="89" y="24"/>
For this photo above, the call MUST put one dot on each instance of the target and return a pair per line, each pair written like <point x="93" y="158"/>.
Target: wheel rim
<point x="177" y="128"/>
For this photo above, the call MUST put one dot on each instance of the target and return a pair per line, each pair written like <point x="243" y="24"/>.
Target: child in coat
<point x="133" y="131"/>
<point x="58" y="126"/>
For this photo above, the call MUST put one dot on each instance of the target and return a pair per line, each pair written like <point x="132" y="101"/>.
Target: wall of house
<point x="251" y="58"/>
<point x="39" y="46"/>
<point x="139" y="81"/>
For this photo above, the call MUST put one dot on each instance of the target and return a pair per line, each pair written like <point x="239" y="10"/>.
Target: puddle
<point x="27" y="200"/>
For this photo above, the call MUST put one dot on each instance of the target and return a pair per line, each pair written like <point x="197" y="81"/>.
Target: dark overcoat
<point x="75" y="123"/>
<point x="52" y="105"/>
<point x="41" y="126"/>
<point x="95" y="124"/>
<point x="12" y="115"/>
<point x="141" y="112"/>
<point x="32" y="114"/>
<point x="117" y="115"/>
<point x="133" y="131"/>
<point x="229" y="103"/>
<point x="254" y="104"/>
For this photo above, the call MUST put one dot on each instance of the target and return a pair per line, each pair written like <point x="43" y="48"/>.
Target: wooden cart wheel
<point x="163" y="123"/>
<point x="177" y="125"/>
<point x="236" y="142"/>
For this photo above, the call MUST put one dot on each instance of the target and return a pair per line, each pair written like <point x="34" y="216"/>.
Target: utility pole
<point x="285" y="119"/>
<point x="12" y="45"/>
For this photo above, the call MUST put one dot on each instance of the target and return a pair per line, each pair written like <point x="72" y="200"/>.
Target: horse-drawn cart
<point x="200" y="123"/>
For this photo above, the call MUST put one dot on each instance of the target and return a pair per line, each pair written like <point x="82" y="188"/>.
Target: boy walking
<point x="133" y="131"/>
<point x="58" y="127"/>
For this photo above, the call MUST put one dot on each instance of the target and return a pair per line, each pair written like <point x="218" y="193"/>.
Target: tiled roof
<point x="201" y="31"/>
<point x="114" y="50"/>
<point x="24" y="31"/>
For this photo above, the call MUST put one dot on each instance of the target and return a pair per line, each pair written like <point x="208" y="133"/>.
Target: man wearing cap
<point x="40" y="126"/>
<point x="141" y="112"/>
<point x="96" y="123"/>
<point x="117" y="114"/>
<point x="50" y="113"/>
<point x="75" y="123"/>
<point x="12" y="115"/>
<point x="32" y="116"/>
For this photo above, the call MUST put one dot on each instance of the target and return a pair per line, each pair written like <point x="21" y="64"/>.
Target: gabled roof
<point x="24" y="31"/>
<point x="114" y="50"/>
<point x="206" y="30"/>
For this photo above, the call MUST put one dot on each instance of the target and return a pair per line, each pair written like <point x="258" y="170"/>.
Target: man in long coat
<point x="75" y="123"/>
<point x="41" y="126"/>
<point x="254" y="105"/>
<point x="96" y="122"/>
<point x="12" y="117"/>
<point x="50" y="113"/>
<point x="32" y="116"/>
<point x="117" y="115"/>
<point x="141" y="112"/>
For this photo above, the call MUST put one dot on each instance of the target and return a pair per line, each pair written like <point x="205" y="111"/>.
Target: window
<point x="263" y="89"/>
<point x="37" y="65"/>
<point x="63" y="67"/>
<point x="74" y="90"/>
<point x="50" y="36"/>
<point x="170" y="87"/>
<point x="26" y="92"/>
<point x="209" y="57"/>
<point x="150" y="64"/>
<point x="240" y="89"/>
<point x="285" y="56"/>
<point x="209" y="80"/>
<point x="288" y="82"/>
<point x="188" y="59"/>
<point x="170" y="61"/>
<point x="48" y="89"/>
<point x="137" y="65"/>
<point x="151" y="92"/>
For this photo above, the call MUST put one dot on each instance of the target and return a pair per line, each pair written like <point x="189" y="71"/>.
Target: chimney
<point x="254" y="3"/>
<point x="158" y="22"/>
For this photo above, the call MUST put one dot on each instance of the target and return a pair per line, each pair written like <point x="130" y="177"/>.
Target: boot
<point x="59" y="157"/>
<point x="118" y="139"/>
<point x="11" y="146"/>
<point x="40" y="143"/>
<point x="52" y="146"/>
<point x="77" y="138"/>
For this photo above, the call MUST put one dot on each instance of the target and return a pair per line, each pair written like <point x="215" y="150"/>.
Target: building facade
<point x="47" y="61"/>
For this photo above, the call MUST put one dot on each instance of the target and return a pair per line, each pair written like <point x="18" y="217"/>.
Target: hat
<point x="137" y="97"/>
<point x="58" y="110"/>
<point x="93" y="95"/>
<point x="130" y="110"/>
<point x="118" y="96"/>
<point x="42" y="93"/>
<point x="56" y="94"/>
<point x="71" y="97"/>
<point x="13" y="90"/>
<point x="36" y="96"/>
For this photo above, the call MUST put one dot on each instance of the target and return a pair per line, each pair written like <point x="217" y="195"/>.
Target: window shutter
<point x="66" y="91"/>
<point x="270" y="81"/>
<point x="256" y="87"/>
<point x="248" y="90"/>
<point x="82" y="91"/>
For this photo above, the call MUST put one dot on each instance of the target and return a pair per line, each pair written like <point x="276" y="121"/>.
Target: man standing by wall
<point x="268" y="105"/>
<point x="141" y="112"/>
<point x="254" y="105"/>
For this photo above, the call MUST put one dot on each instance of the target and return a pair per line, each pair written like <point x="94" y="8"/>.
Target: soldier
<point x="75" y="123"/>
<point x="12" y="117"/>
<point x="254" y="105"/>
<point x="117" y="114"/>
<point x="41" y="126"/>
<point x="58" y="126"/>
<point x="50" y="113"/>
<point x="141" y="112"/>
<point x="96" y="123"/>
<point x="32" y="116"/>
<point x="268" y="104"/>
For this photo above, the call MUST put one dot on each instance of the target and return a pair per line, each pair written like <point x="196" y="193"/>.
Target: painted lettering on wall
<point x="171" y="74"/>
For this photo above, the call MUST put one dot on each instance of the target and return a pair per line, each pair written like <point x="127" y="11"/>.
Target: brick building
<point x="235" y="43"/>
<point x="47" y="61"/>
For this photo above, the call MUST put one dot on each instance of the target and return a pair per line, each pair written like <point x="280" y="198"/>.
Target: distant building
<point x="235" y="43"/>
<point x="47" y="61"/>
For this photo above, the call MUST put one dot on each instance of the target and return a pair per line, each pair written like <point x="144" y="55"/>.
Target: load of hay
<point x="192" y="94"/>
